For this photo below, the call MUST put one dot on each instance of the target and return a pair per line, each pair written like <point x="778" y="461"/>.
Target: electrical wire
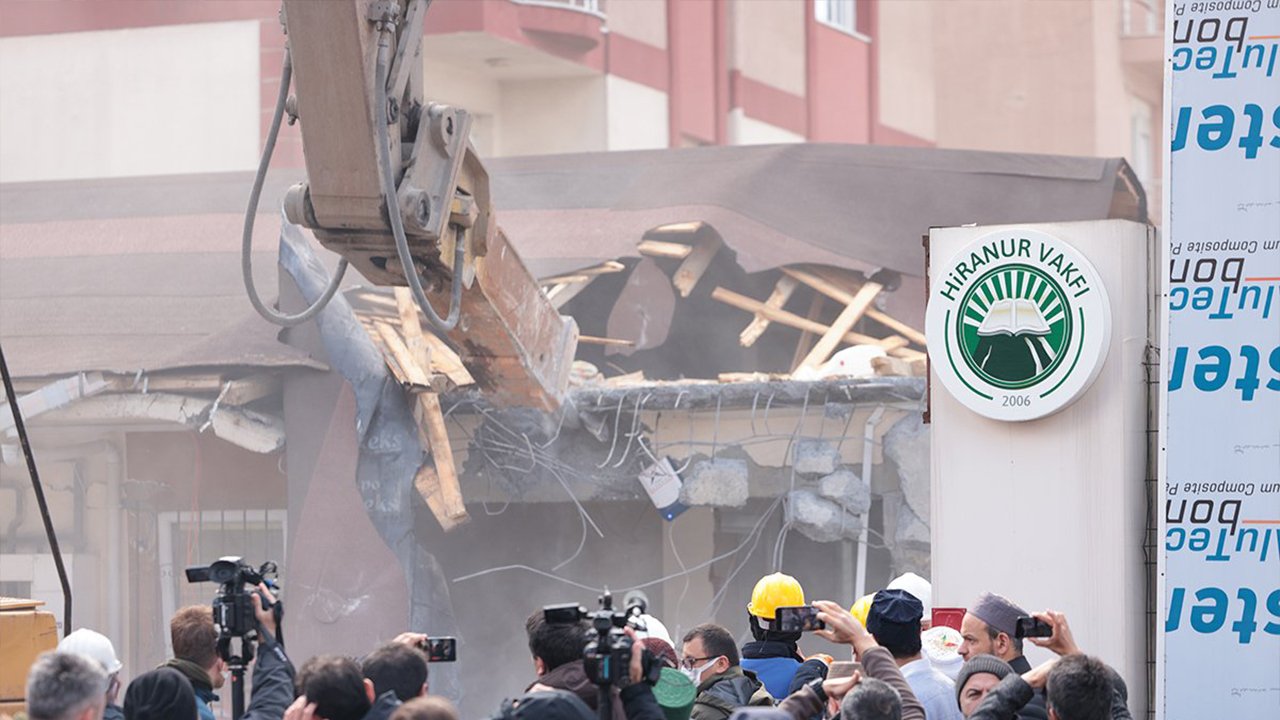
<point x="388" y="182"/>
<point x="251" y="214"/>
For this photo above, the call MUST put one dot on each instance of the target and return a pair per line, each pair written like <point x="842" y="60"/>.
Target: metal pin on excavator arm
<point x="368" y="137"/>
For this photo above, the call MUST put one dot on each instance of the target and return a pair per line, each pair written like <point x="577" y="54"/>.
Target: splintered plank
<point x="428" y="485"/>
<point x="835" y="288"/>
<point x="411" y="327"/>
<point x="664" y="248"/>
<point x="782" y="291"/>
<point x="604" y="268"/>
<point x="696" y="262"/>
<point x="410" y="372"/>
<point x="432" y="430"/>
<point x="844" y="322"/>
<point x="783" y="317"/>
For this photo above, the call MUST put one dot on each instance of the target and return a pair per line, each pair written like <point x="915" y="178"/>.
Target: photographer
<point x="195" y="649"/>
<point x="557" y="660"/>
<point x="1077" y="686"/>
<point x="877" y="663"/>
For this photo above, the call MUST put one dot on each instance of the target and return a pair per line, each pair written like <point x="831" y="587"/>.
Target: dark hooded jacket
<point x="719" y="695"/>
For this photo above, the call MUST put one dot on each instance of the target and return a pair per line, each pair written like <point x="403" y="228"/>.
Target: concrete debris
<point x="583" y="373"/>
<point x="816" y="457"/>
<point x="847" y="489"/>
<point x="819" y="519"/>
<point x="907" y="445"/>
<point x="721" y="482"/>
<point x="911" y="543"/>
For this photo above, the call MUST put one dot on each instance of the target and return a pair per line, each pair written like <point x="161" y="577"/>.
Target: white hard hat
<point x="94" y="646"/>
<point x="655" y="629"/>
<point x="917" y="586"/>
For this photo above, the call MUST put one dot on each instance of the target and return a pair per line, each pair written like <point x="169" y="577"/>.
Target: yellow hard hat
<point x="862" y="608"/>
<point x="772" y="592"/>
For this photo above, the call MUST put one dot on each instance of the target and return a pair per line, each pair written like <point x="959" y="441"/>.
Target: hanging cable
<point x="386" y="27"/>
<point x="251" y="213"/>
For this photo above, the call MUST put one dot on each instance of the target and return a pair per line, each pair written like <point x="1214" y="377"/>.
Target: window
<point x="199" y="538"/>
<point x="840" y="14"/>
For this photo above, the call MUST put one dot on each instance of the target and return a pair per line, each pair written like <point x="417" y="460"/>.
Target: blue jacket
<point x="774" y="663"/>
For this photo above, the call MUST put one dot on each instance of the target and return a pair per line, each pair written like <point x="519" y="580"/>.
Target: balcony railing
<point x="1141" y="18"/>
<point x="591" y="7"/>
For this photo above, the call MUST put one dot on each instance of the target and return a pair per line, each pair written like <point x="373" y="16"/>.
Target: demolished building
<point x="750" y="364"/>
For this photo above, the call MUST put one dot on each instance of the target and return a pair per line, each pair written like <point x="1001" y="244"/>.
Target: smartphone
<point x="441" y="649"/>
<point x="800" y="618"/>
<point x="843" y="669"/>
<point x="1029" y="627"/>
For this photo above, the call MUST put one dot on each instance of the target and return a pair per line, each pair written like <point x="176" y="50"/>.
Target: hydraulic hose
<point x="246" y="246"/>
<point x="388" y="182"/>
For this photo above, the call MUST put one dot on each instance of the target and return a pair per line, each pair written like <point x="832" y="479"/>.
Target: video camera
<point x="607" y="656"/>
<point x="233" y="606"/>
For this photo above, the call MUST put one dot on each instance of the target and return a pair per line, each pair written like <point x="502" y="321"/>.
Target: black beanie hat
<point x="163" y="694"/>
<point x="979" y="664"/>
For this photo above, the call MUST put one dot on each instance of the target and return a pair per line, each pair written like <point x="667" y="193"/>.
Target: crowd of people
<point x="899" y="667"/>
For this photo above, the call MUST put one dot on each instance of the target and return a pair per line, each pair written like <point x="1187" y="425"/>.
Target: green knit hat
<point x="675" y="694"/>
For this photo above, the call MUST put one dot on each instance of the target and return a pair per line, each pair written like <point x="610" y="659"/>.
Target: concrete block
<point x="847" y="489"/>
<point x="721" y="482"/>
<point x="819" y="519"/>
<point x="907" y="445"/>
<point x="816" y="457"/>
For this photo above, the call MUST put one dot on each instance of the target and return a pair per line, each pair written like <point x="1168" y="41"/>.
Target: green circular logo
<point x="1018" y="320"/>
<point x="1013" y="326"/>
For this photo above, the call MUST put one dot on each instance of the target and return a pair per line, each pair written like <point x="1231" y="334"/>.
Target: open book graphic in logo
<point x="1016" y="322"/>
<point x="1011" y="344"/>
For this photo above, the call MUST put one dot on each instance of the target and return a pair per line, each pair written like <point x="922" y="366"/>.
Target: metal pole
<point x="868" y="454"/>
<point x="39" y="489"/>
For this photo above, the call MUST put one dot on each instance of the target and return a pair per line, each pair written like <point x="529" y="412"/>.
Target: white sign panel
<point x="1219" y="621"/>
<point x="1018" y="324"/>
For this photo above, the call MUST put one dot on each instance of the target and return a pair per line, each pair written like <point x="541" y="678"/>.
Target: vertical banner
<point x="1218" y="641"/>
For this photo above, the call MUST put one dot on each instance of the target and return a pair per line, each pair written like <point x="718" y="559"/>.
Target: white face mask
<point x="695" y="674"/>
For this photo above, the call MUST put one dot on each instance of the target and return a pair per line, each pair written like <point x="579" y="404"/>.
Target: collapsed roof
<point x="130" y="274"/>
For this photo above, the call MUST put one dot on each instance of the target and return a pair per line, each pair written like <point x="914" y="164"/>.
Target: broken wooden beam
<point x="841" y="294"/>
<point x="664" y="248"/>
<point x="782" y="291"/>
<point x="411" y="327"/>
<point x="604" y="268"/>
<point x="432" y="432"/>
<point x="593" y="340"/>
<point x="844" y="322"/>
<point x="427" y="484"/>
<point x="751" y="305"/>
<point x="695" y="264"/>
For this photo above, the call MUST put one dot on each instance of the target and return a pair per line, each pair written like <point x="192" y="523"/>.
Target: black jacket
<point x="572" y="677"/>
<point x="272" y="682"/>
<point x="639" y="703"/>
<point x="1007" y="699"/>
<point x="1035" y="708"/>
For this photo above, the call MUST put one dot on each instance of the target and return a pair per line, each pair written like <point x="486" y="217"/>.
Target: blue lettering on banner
<point x="1213" y="607"/>
<point x="1215" y="128"/>
<point x="1216" y="366"/>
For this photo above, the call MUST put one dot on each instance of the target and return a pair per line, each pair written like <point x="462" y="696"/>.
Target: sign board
<point x="1018" y="324"/>
<point x="1218" y="627"/>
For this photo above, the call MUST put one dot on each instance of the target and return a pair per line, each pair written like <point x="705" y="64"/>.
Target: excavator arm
<point x="394" y="185"/>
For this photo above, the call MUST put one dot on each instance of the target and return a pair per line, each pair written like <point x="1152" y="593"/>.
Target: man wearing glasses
<point x="709" y="657"/>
